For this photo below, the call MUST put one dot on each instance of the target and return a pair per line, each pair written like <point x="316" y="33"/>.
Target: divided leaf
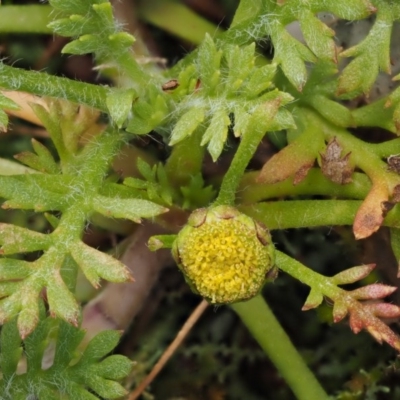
<point x="73" y="375"/>
<point x="133" y="209"/>
<point x="97" y="265"/>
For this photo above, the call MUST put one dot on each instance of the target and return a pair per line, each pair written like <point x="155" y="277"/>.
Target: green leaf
<point x="209" y="59"/>
<point x="133" y="209"/>
<point x="247" y="9"/>
<point x="11" y="269"/>
<point x="240" y="62"/>
<point x="314" y="299"/>
<point x="53" y="127"/>
<point x="318" y="36"/>
<point x="5" y="102"/>
<point x="102" y="344"/>
<point x="104" y="12"/>
<point x="73" y="375"/>
<point x="29" y="314"/>
<point x="72" y="6"/>
<point x="216" y="133"/>
<point x="358" y="77"/>
<point x="61" y="301"/>
<point x="113" y="367"/>
<point x="119" y="104"/>
<point x="75" y="25"/>
<point x="35" y="191"/>
<point x="85" y="44"/>
<point x="348" y="9"/>
<point x="121" y="40"/>
<point x="15" y="239"/>
<point x="46" y="158"/>
<point x="259" y="80"/>
<point x="97" y="265"/>
<point x="187" y="124"/>
<point x="10" y="349"/>
<point x="3" y="121"/>
<point x="291" y="55"/>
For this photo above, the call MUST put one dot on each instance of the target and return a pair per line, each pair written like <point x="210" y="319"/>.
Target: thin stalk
<point x="180" y="337"/>
<point x="47" y="85"/>
<point x="265" y="328"/>
<point x="243" y="155"/>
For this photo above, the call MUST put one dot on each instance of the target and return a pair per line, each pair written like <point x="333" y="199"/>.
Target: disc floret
<point x="224" y="254"/>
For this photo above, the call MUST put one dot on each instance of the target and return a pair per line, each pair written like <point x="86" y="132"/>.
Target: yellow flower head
<point x="224" y="254"/>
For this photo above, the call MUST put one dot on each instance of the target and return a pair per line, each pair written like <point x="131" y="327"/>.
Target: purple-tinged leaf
<point x="352" y="275"/>
<point x="340" y="310"/>
<point x="371" y="292"/>
<point x="383" y="310"/>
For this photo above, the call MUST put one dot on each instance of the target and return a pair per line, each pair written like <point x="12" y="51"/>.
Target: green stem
<point x="386" y="149"/>
<point x="315" y="183"/>
<point x="25" y="19"/>
<point x="311" y="213"/>
<point x="47" y="85"/>
<point x="265" y="328"/>
<point x="246" y="149"/>
<point x="362" y="154"/>
<point x="178" y="19"/>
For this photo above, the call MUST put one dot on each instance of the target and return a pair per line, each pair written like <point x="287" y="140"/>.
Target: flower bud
<point x="224" y="254"/>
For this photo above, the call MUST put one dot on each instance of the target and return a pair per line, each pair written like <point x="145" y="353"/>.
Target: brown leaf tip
<point x="335" y="167"/>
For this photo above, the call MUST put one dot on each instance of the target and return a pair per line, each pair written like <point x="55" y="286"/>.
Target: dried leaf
<point x="294" y="159"/>
<point x="300" y="175"/>
<point x="394" y="163"/>
<point x="369" y="216"/>
<point x="335" y="167"/>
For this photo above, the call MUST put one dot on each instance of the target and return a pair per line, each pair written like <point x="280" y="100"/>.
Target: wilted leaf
<point x="369" y="216"/>
<point x="296" y="158"/>
<point x="337" y="168"/>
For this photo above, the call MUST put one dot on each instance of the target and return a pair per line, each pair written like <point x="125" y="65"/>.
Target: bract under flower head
<point x="224" y="254"/>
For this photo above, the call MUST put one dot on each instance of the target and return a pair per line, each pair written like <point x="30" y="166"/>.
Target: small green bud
<point x="224" y="254"/>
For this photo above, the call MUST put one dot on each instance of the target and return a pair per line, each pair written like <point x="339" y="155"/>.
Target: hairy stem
<point x="245" y="151"/>
<point x="48" y="85"/>
<point x="265" y="328"/>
